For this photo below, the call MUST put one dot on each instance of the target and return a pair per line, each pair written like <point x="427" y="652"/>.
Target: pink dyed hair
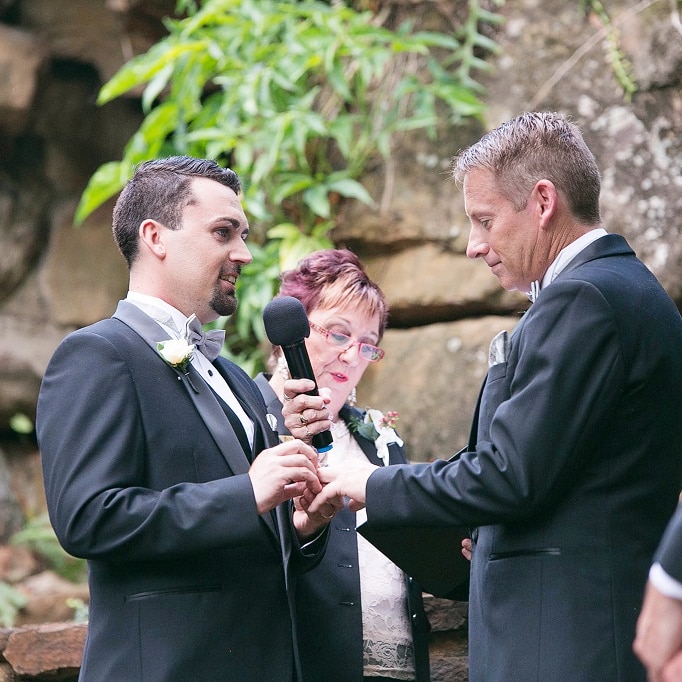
<point x="334" y="277"/>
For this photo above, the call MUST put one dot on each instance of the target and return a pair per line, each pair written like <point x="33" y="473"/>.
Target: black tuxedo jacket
<point x="329" y="611"/>
<point x="146" y="479"/>
<point x="575" y="471"/>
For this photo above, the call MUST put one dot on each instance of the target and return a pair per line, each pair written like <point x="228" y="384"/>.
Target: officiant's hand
<point x="305" y="415"/>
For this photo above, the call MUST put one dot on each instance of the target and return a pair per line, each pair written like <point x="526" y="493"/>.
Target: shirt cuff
<point x="664" y="583"/>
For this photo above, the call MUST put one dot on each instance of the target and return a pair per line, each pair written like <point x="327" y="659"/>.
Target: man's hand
<point x="282" y="473"/>
<point x="347" y="480"/>
<point x="659" y="634"/>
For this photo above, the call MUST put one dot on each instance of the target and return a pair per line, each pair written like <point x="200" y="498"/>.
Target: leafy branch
<point x="622" y="69"/>
<point x="298" y="97"/>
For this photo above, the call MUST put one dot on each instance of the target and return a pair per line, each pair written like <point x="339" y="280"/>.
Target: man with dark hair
<point x="161" y="465"/>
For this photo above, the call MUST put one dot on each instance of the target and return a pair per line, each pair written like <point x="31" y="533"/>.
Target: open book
<point x="432" y="556"/>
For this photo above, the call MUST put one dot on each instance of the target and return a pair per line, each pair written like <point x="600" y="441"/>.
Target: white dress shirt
<point x="172" y="320"/>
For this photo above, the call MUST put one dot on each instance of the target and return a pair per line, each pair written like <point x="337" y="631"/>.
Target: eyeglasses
<point x="365" y="350"/>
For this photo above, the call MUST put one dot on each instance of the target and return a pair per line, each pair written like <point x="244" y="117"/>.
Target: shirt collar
<point x="568" y="253"/>
<point x="565" y="256"/>
<point x="164" y="313"/>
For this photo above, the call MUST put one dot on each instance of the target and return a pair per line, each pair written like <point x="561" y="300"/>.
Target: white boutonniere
<point x="176" y="352"/>
<point x="380" y="428"/>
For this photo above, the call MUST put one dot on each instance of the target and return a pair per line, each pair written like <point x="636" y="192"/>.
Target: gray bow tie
<point x="209" y="343"/>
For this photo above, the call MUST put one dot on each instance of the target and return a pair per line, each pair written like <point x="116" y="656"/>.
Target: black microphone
<point x="287" y="326"/>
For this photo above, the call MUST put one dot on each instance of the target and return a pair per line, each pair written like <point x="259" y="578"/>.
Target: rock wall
<point x="54" y="56"/>
<point x="445" y="308"/>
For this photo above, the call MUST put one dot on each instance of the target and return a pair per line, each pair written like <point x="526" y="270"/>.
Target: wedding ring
<point x="327" y="517"/>
<point x="304" y="421"/>
<point x="286" y="398"/>
<point x="307" y="433"/>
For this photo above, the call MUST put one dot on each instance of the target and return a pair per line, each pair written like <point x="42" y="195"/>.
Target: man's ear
<point x="546" y="201"/>
<point x="152" y="237"/>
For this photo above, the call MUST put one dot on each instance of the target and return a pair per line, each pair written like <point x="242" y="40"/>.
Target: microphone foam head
<point x="285" y="321"/>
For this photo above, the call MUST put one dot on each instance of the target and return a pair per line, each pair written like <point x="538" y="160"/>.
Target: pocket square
<point x="499" y="349"/>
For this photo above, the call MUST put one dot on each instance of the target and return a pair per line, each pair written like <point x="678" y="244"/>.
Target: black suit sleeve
<point x="123" y="452"/>
<point x="539" y="412"/>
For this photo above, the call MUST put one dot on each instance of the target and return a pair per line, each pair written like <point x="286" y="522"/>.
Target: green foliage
<point x="11" y="600"/>
<point x="81" y="610"/>
<point x="21" y="423"/>
<point x="40" y="538"/>
<point x="297" y="96"/>
<point x="622" y="69"/>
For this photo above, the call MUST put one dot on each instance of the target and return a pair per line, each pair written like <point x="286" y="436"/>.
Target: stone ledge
<point x="55" y="650"/>
<point x="51" y="650"/>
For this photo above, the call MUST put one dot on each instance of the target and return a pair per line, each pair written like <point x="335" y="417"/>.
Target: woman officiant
<point x="360" y="617"/>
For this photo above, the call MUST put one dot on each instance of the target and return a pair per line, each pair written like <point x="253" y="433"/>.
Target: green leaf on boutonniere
<point x="364" y="428"/>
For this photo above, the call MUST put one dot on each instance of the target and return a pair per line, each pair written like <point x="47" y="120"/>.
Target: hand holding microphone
<point x="287" y="326"/>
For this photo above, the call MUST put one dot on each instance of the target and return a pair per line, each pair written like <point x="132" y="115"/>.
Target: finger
<point x="297" y="469"/>
<point x="308" y="496"/>
<point x="300" y="402"/>
<point x="296" y="386"/>
<point x="355" y="506"/>
<point x="293" y="490"/>
<point x="327" y="474"/>
<point x="673" y="670"/>
<point x="312" y="483"/>
<point x="328" y="513"/>
<point x="292" y="448"/>
<point x="323" y="499"/>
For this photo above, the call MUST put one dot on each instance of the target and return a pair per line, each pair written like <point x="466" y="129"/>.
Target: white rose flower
<point x="176" y="352"/>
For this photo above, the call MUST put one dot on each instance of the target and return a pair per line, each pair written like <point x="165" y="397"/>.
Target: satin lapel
<point x="205" y="402"/>
<point x="473" y="431"/>
<point x="252" y="408"/>
<point x="254" y="411"/>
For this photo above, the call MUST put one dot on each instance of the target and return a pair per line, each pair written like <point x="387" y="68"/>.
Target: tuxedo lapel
<point x="198" y="390"/>
<point x="253" y="409"/>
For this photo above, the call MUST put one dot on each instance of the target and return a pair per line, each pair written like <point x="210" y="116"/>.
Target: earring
<point x="352" y="398"/>
<point x="282" y="368"/>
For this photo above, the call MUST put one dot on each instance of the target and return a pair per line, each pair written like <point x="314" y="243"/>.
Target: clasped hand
<point x="290" y="470"/>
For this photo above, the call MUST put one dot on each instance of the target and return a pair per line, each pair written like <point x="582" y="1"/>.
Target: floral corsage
<point x="380" y="428"/>
<point x="178" y="354"/>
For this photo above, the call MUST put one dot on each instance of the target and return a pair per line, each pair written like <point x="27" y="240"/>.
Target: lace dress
<point x="386" y="629"/>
